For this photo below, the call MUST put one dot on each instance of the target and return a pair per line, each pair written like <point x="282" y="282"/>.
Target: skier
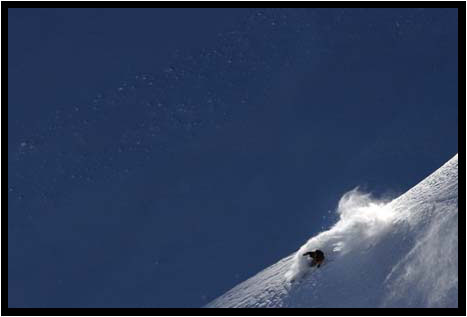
<point x="317" y="257"/>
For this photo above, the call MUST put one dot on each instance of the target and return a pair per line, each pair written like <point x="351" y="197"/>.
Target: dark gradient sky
<point x="157" y="157"/>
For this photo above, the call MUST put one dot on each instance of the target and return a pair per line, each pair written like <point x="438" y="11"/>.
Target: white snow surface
<point x="399" y="253"/>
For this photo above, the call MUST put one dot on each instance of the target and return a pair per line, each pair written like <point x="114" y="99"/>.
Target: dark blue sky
<point x="157" y="157"/>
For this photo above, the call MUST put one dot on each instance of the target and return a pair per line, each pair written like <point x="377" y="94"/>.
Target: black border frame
<point x="460" y="311"/>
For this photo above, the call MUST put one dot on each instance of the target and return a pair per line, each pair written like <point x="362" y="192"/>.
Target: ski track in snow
<point x="399" y="253"/>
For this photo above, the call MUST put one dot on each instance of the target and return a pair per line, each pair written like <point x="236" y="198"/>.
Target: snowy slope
<point x="399" y="253"/>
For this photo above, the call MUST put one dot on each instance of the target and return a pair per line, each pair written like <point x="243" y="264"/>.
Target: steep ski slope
<point x="402" y="253"/>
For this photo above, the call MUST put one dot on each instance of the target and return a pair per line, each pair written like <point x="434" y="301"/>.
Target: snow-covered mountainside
<point x="399" y="253"/>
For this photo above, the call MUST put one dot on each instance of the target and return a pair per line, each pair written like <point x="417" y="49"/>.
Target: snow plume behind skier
<point x="362" y="221"/>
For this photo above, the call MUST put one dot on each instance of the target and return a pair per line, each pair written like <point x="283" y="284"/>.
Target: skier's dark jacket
<point x="317" y="256"/>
